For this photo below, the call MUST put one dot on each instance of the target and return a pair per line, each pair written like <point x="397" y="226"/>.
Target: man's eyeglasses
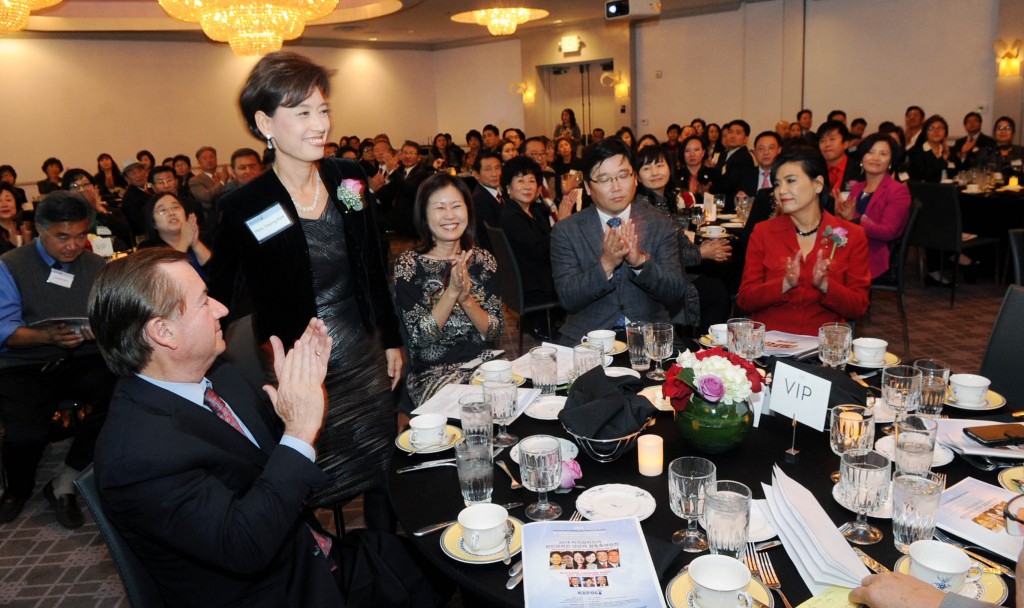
<point x="605" y="180"/>
<point x="80" y="186"/>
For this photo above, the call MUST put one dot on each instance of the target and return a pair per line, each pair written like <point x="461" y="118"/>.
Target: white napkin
<point x="521" y="366"/>
<point x="951" y="435"/>
<point x="446" y="400"/>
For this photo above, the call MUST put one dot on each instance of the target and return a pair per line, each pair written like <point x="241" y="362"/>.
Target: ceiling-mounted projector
<point x="631" y="9"/>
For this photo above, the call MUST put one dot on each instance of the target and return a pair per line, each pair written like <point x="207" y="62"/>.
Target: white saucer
<point x="731" y="225"/>
<point x="451" y="544"/>
<point x="479" y="380"/>
<point x="546" y="407"/>
<point x="885" y="512"/>
<point x="615" y="372"/>
<point x="993" y="401"/>
<point x="990" y="588"/>
<point x="615" y="500"/>
<point x="569" y="450"/>
<point x="402" y="441"/>
<point x="708" y="341"/>
<point x="889" y="360"/>
<point x="677" y="591"/>
<point x="941" y="457"/>
<point x="705" y="234"/>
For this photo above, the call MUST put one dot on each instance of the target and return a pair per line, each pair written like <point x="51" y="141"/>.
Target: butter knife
<point x="450" y="462"/>
<point x="514" y="580"/>
<point x="993" y="565"/>
<point x="873" y="564"/>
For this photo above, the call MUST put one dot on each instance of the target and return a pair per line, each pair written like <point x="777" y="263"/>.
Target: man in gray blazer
<point x="617" y="260"/>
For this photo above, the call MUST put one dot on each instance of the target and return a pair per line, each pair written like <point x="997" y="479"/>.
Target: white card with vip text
<point x="801" y="395"/>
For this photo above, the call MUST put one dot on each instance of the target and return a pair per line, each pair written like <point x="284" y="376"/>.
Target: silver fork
<point x="751" y="560"/>
<point x="575" y="516"/>
<point x="770" y="579"/>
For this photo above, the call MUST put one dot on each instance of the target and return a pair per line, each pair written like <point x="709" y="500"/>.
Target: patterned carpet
<point x="43" y="565"/>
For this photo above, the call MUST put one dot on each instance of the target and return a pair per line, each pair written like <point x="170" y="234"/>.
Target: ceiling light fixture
<point x="14" y="13"/>
<point x="500" y="21"/>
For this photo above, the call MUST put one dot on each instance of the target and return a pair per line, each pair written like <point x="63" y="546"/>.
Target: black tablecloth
<point x="992" y="214"/>
<point x="428" y="496"/>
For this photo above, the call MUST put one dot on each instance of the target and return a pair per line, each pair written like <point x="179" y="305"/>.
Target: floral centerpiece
<point x="709" y="392"/>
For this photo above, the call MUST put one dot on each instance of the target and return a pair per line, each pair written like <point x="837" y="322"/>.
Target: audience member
<point x="474" y="141"/>
<point x="366" y="158"/>
<point x="168" y="225"/>
<point x="833" y="139"/>
<point x="516" y="136"/>
<point x="146" y="158"/>
<point x="1004" y="155"/>
<point x="52" y="168"/>
<point x="401" y="186"/>
<point x="509" y="150"/>
<point x="443" y="155"/>
<point x="9" y="176"/>
<point x="699" y="126"/>
<point x="135" y="196"/>
<point x="736" y="166"/>
<point x="695" y="177"/>
<point x="969" y="146"/>
<point x="568" y="128"/>
<point x="626" y="135"/>
<point x="491" y="140"/>
<point x="331" y="149"/>
<point x="767" y="147"/>
<point x="109" y="178"/>
<point x="487" y="197"/>
<point x="672" y="139"/>
<point x="596" y="135"/>
<point x="713" y="147"/>
<point x="206" y="185"/>
<point x="183" y="169"/>
<point x="913" y="119"/>
<point x="108" y="221"/>
<point x="837" y="115"/>
<point x="14" y="232"/>
<point x="931" y="160"/>
<point x="805" y="118"/>
<point x="246" y="165"/>
<point x="647" y="139"/>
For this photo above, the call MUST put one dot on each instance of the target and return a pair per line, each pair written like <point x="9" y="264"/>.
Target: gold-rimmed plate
<point x="889" y="360"/>
<point x="677" y="592"/>
<point x="453" y="547"/>
<point x="989" y="588"/>
<point x="479" y="380"/>
<point x="404" y="443"/>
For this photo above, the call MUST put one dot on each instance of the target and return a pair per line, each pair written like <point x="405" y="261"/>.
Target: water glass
<point x="544" y="369"/>
<point x="658" y="338"/>
<point x="476" y="415"/>
<point x="688" y="480"/>
<point x="743" y="206"/>
<point x="504" y="398"/>
<point x="540" y="462"/>
<point x="727" y="518"/>
<point x="915" y="505"/>
<point x="586" y="357"/>
<point x="864" y="486"/>
<point x="852" y="428"/>
<point x="746" y="338"/>
<point x="901" y="388"/>
<point x="835" y="341"/>
<point x="475" y="463"/>
<point x="638" y="357"/>
<point x="915" y="444"/>
<point x="934" y="381"/>
<point x="697" y="216"/>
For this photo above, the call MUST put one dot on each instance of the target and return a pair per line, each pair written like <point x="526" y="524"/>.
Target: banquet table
<point x="993" y="213"/>
<point x="432" y="495"/>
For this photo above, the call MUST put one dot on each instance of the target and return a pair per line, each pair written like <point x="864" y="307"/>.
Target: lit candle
<point x="650" y="451"/>
<point x="1013" y="181"/>
<point x="851" y="427"/>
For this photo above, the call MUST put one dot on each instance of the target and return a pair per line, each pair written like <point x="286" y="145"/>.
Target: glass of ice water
<point x="934" y="381"/>
<point x="915" y="444"/>
<point x="901" y="388"/>
<point x="658" y="338"/>
<point x="540" y="462"/>
<point x="474" y="460"/>
<point x="504" y="398"/>
<point x="852" y="428"/>
<point x="727" y="518"/>
<point x="746" y="338"/>
<point x="544" y="369"/>
<point x="915" y="505"/>
<point x="835" y="340"/>
<point x="864" y="486"/>
<point x="688" y="480"/>
<point x="638" y="357"/>
<point x="476" y="415"/>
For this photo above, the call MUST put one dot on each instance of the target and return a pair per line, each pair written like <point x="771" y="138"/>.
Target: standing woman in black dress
<point x="303" y="240"/>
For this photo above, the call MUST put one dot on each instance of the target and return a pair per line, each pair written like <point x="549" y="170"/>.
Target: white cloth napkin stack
<point x="821" y="554"/>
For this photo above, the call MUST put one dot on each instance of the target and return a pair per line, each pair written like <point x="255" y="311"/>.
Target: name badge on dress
<point x="61" y="278"/>
<point x="269" y="222"/>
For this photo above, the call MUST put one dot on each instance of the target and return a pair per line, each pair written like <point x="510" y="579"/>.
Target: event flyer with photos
<point x="588" y="563"/>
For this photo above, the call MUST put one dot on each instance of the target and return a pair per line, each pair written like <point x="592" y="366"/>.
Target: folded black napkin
<point x="844" y="389"/>
<point x="599" y="407"/>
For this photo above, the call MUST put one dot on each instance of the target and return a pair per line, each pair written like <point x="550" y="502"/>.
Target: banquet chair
<point x="899" y="267"/>
<point x="510" y="281"/>
<point x="1017" y="253"/>
<point x="1001" y="363"/>
<point x="940" y="228"/>
<point x="139" y="586"/>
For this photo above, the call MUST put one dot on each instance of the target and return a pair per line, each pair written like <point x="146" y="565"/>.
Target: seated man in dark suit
<point x="193" y="471"/>
<point x="736" y="169"/>
<point x="400" y="188"/>
<point x="134" y="200"/>
<point x="767" y="146"/>
<point x="487" y="197"/>
<point x="616" y="260"/>
<point x="968" y="147"/>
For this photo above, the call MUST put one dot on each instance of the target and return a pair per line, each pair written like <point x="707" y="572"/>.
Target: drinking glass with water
<point x="915" y="505"/>
<point x="915" y="444"/>
<point x="475" y="464"/>
<point x="544" y="369"/>
<point x="934" y="382"/>
<point x="727" y="518"/>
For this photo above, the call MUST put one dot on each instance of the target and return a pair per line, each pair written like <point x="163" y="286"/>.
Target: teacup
<point x="720" y="581"/>
<point x="968" y="389"/>
<point x="719" y="333"/>
<point x="942" y="566"/>
<point x="483" y="527"/>
<point x="972" y="188"/>
<point x="870" y="351"/>
<point x="714" y="231"/>
<point x="427" y="430"/>
<point x="497" y="370"/>
<point x="601" y="338"/>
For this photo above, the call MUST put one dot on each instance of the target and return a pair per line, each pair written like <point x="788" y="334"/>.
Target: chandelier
<point x="251" y="27"/>
<point x="14" y="13"/>
<point x="500" y="21"/>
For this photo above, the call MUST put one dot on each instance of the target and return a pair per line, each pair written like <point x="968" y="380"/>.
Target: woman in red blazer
<point x="805" y="267"/>
<point x="880" y="204"/>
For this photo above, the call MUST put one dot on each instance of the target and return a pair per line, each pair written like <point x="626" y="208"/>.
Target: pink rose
<point x="711" y="387"/>
<point x="355" y="185"/>
<point x="570" y="473"/>
<point x="841" y="232"/>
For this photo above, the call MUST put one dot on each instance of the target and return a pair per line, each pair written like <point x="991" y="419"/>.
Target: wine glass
<point x="697" y="216"/>
<point x="835" y="340"/>
<point x="503" y="403"/>
<point x="688" y="480"/>
<point x="853" y="428"/>
<point x="901" y="388"/>
<point x="864" y="485"/>
<point x="540" y="462"/>
<point x="658" y="338"/>
<point x="746" y="338"/>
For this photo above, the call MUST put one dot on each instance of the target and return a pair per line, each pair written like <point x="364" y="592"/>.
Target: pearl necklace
<point x="316" y="196"/>
<point x="811" y="231"/>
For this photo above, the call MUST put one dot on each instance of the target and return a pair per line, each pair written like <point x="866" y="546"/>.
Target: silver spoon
<point x="506" y="557"/>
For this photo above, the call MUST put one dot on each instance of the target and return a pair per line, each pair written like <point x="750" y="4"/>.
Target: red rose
<point x="674" y="387"/>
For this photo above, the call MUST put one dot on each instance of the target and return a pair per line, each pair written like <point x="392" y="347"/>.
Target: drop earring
<point x="270" y="144"/>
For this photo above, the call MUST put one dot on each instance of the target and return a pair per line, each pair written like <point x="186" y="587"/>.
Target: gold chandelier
<point x="500" y="21"/>
<point x="251" y="27"/>
<point x="14" y="13"/>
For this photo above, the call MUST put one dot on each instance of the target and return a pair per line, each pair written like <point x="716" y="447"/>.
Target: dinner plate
<point x="546" y="407"/>
<point x="993" y="401"/>
<point x="615" y="500"/>
<point x="569" y="450"/>
<point x="885" y="512"/>
<point x="940" y="457"/>
<point x="403" y="443"/>
<point x="451" y="544"/>
<point x="989" y="588"/>
<point x="677" y="592"/>
<point x="1011" y="477"/>
<point x="479" y="380"/>
<point x="615" y="372"/>
<point x="889" y="360"/>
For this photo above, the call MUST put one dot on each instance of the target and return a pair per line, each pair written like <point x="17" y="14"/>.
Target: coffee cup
<point x="869" y="350"/>
<point x="427" y="430"/>
<point x="942" y="566"/>
<point x="972" y="188"/>
<point x="719" y="333"/>
<point x="720" y="581"/>
<point x="714" y="231"/>
<point x="497" y="370"/>
<point x="483" y="527"/>
<point x="968" y="389"/>
<point x="601" y="338"/>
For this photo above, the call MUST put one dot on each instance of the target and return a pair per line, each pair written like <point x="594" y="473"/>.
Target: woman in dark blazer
<point x="694" y="176"/>
<point x="303" y="240"/>
<point x="931" y="159"/>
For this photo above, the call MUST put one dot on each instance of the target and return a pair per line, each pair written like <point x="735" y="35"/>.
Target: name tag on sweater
<point x="271" y="221"/>
<point x="61" y="278"/>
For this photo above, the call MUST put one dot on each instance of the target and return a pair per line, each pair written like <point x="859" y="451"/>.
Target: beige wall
<point x="1009" y="92"/>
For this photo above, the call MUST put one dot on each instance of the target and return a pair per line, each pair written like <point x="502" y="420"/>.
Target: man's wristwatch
<point x="640" y="265"/>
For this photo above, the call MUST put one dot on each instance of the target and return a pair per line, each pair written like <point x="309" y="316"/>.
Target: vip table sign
<point x="801" y="396"/>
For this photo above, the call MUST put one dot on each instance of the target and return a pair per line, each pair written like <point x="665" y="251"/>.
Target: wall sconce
<point x="570" y="44"/>
<point x="617" y="82"/>
<point x="1008" y="58"/>
<point x="523" y="88"/>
